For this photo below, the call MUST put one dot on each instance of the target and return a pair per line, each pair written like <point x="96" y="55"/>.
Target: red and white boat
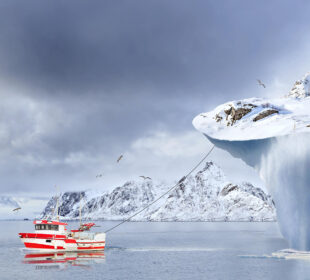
<point x="54" y="236"/>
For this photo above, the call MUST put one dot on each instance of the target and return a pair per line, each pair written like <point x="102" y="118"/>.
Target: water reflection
<point x="64" y="260"/>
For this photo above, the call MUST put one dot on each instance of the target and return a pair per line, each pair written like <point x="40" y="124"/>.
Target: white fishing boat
<point x="54" y="236"/>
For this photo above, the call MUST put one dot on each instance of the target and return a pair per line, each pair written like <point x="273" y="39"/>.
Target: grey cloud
<point x="85" y="79"/>
<point x="101" y="46"/>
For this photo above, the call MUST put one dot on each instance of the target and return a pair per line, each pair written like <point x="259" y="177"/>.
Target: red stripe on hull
<point x="42" y="246"/>
<point x="38" y="246"/>
<point x="41" y="235"/>
<point x="70" y="240"/>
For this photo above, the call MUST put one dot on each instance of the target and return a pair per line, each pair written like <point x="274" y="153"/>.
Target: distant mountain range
<point x="205" y="196"/>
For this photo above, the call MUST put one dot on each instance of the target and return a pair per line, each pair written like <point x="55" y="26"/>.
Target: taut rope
<point x="176" y="185"/>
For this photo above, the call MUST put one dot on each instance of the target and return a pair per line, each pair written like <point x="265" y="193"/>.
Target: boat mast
<point x="80" y="209"/>
<point x="57" y="207"/>
<point x="57" y="212"/>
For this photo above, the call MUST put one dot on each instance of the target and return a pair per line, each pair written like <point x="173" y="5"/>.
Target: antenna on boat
<point x="57" y="206"/>
<point x="80" y="208"/>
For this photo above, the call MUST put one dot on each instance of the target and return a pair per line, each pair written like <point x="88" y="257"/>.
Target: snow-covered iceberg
<point x="273" y="136"/>
<point x="206" y="196"/>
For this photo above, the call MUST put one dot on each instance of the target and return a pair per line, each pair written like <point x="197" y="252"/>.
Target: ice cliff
<point x="272" y="136"/>
<point x="205" y="196"/>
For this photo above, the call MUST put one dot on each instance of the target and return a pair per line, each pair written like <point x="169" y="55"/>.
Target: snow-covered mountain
<point x="273" y="136"/>
<point x="206" y="196"/>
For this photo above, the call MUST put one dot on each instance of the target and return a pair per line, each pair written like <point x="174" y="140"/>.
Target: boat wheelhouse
<point x="54" y="236"/>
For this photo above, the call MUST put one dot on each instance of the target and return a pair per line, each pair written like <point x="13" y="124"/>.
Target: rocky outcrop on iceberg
<point x="272" y="136"/>
<point x="301" y="88"/>
<point x="207" y="196"/>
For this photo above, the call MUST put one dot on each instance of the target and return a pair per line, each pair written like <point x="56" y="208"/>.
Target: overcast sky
<point x="82" y="82"/>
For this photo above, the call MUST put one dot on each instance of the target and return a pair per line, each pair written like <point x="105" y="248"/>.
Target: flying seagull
<point x="261" y="83"/>
<point x="99" y="175"/>
<point x="120" y="157"/>
<point x="146" y="177"/>
<point x="16" y="209"/>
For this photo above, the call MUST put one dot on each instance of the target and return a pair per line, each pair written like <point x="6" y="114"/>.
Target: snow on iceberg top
<point x="258" y="118"/>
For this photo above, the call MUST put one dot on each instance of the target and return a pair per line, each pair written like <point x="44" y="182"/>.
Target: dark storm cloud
<point x="79" y="46"/>
<point x="100" y="74"/>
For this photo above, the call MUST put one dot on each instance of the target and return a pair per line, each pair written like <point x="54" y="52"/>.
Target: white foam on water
<point x="286" y="254"/>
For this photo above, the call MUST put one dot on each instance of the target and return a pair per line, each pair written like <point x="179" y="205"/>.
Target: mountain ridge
<point x="205" y="196"/>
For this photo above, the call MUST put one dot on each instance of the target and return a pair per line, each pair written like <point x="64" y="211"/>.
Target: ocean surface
<point x="143" y="250"/>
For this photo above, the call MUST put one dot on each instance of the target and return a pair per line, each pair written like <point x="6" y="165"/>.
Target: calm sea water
<point x="160" y="251"/>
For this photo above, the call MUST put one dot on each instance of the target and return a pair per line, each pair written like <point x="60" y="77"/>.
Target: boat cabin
<point x="47" y="227"/>
<point x="42" y="226"/>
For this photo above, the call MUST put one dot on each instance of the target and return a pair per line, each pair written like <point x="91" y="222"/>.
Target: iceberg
<point x="273" y="137"/>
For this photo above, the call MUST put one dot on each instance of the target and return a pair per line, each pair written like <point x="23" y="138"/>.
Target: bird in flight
<point x="16" y="209"/>
<point x="261" y="83"/>
<point x="99" y="175"/>
<point x="145" y="177"/>
<point x="120" y="157"/>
